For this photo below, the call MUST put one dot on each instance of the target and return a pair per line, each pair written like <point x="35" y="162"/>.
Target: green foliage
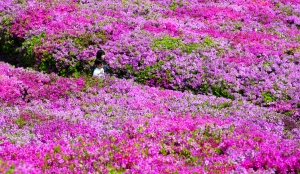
<point x="267" y="97"/>
<point x="7" y="45"/>
<point x="31" y="43"/>
<point x="171" y="43"/>
<point x="222" y="105"/>
<point x="185" y="153"/>
<point x="20" y="122"/>
<point x="265" y="64"/>
<point x="77" y="70"/>
<point x="145" y="74"/>
<point x="6" y="21"/>
<point x="175" y="5"/>
<point x="188" y="48"/>
<point x="204" y="88"/>
<point x="87" y="39"/>
<point x="28" y="57"/>
<point x="83" y="40"/>
<point x="298" y="38"/>
<point x="238" y="25"/>
<point x="149" y="72"/>
<point x="46" y="158"/>
<point x="11" y="169"/>
<point x="21" y="1"/>
<point x="8" y="42"/>
<point x="208" y="41"/>
<point x="113" y="170"/>
<point x="219" y="151"/>
<point x="56" y="149"/>
<point x="167" y="42"/>
<point x="163" y="151"/>
<point x="287" y="10"/>
<point x="102" y="35"/>
<point x="4" y="165"/>
<point x="216" y="90"/>
<point x="129" y="68"/>
<point x="221" y="91"/>
<point x="242" y="92"/>
<point x="47" y="62"/>
<point x="168" y="75"/>
<point x="90" y="82"/>
<point x="124" y="2"/>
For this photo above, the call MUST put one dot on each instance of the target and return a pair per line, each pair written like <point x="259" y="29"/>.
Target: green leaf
<point x="56" y="149"/>
<point x="267" y="97"/>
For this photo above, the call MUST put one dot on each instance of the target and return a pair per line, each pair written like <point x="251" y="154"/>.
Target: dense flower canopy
<point x="205" y="86"/>
<point x="225" y="48"/>
<point x="75" y="125"/>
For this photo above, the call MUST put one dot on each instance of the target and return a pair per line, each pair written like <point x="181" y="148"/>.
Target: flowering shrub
<point x="112" y="125"/>
<point x="246" y="48"/>
<point x="230" y="71"/>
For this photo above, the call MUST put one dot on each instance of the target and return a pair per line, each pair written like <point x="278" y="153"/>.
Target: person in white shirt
<point x="99" y="70"/>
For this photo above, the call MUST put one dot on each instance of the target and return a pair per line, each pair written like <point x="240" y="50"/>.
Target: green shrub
<point x="149" y="72"/>
<point x="167" y="42"/>
<point x="267" y="97"/>
<point x="171" y="43"/>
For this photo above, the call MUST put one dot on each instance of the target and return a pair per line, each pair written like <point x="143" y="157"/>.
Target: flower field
<point x="198" y="86"/>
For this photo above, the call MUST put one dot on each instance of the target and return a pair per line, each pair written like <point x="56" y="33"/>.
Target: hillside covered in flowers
<point x="198" y="86"/>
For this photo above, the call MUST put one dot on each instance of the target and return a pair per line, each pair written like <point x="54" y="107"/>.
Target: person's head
<point x="100" y="54"/>
<point x="99" y="63"/>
